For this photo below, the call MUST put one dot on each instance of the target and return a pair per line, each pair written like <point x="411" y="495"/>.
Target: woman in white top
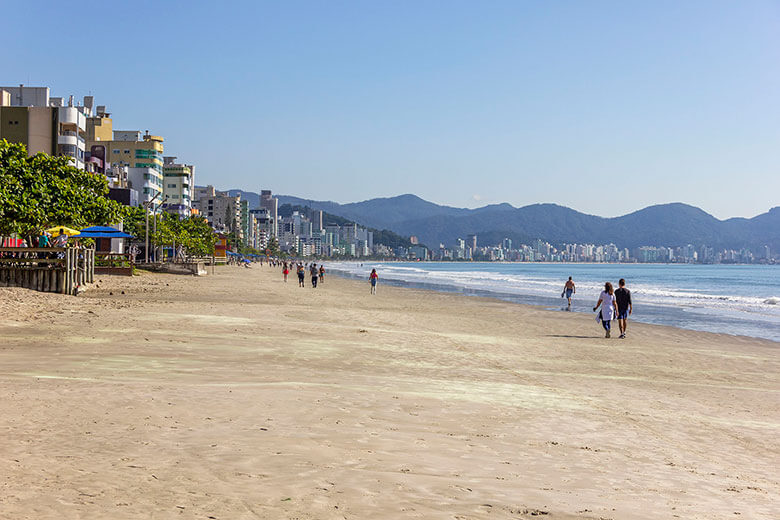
<point x="607" y="302"/>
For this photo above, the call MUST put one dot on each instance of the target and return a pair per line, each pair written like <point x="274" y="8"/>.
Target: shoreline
<point x="239" y="396"/>
<point x="516" y="299"/>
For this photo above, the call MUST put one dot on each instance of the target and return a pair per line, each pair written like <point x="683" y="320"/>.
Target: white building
<point x="178" y="182"/>
<point x="148" y="182"/>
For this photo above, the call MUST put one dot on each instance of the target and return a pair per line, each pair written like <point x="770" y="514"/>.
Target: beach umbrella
<point x="102" y="232"/>
<point x="62" y="230"/>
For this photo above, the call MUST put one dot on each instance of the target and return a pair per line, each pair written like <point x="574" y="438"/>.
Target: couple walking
<point x="614" y="304"/>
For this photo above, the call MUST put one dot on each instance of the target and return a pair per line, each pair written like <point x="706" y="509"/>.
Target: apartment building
<point x="100" y="130"/>
<point x="223" y="212"/>
<point x="270" y="203"/>
<point x="30" y="116"/>
<point x="142" y="155"/>
<point x="178" y="181"/>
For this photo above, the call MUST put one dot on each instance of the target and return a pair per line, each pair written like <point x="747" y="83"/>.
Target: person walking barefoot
<point x="624" y="306"/>
<point x="373" y="277"/>
<point x="607" y="302"/>
<point x="285" y="271"/>
<point x="568" y="290"/>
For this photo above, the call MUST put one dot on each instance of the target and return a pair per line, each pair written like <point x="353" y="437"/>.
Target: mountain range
<point x="670" y="225"/>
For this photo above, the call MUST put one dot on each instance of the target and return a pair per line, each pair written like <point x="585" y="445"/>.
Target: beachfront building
<point x="246" y="224"/>
<point x="30" y="116"/>
<point x="100" y="130"/>
<point x="221" y="210"/>
<point x="261" y="221"/>
<point x="147" y="183"/>
<point x="178" y="181"/>
<point x="271" y="204"/>
<point x="129" y="159"/>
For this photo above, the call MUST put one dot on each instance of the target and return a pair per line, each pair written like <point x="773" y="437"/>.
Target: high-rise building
<point x="29" y="116"/>
<point x="142" y="155"/>
<point x="178" y="180"/>
<point x="269" y="202"/>
<point x="317" y="221"/>
<point x="471" y="241"/>
<point x="223" y="212"/>
<point x="100" y="129"/>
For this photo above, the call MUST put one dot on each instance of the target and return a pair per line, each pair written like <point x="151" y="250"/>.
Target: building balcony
<point x="72" y="139"/>
<point x="72" y="116"/>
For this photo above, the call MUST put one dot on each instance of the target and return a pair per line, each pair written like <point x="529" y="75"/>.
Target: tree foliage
<point x="192" y="233"/>
<point x="43" y="191"/>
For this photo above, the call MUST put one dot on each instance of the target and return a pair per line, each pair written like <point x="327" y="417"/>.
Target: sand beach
<point x="237" y="396"/>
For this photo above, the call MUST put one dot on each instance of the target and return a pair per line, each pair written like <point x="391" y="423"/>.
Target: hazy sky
<point x="605" y="107"/>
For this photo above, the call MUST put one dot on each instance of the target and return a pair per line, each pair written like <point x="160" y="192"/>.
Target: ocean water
<point x="731" y="299"/>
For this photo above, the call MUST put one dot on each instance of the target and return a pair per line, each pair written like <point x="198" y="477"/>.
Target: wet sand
<point x="239" y="396"/>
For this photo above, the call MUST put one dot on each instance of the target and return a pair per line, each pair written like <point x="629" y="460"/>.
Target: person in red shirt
<point x="373" y="277"/>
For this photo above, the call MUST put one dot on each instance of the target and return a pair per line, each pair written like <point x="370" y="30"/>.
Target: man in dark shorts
<point x="624" y="306"/>
<point x="314" y="274"/>
<point x="568" y="290"/>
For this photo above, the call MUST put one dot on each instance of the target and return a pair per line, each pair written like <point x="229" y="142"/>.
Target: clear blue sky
<point x="605" y="107"/>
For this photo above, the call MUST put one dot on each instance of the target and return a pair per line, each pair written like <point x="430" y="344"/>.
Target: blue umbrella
<point x="102" y="232"/>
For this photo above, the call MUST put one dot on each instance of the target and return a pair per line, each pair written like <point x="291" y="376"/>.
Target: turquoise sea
<point x="732" y="299"/>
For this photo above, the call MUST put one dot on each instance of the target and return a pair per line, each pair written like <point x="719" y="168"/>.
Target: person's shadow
<point x="565" y="336"/>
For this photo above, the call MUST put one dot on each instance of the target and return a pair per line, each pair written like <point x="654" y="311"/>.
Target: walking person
<point x="314" y="275"/>
<point x="568" y="290"/>
<point x="322" y="273"/>
<point x="301" y="275"/>
<point x="373" y="277"/>
<point x="624" y="306"/>
<point x="607" y="302"/>
<point x="285" y="271"/>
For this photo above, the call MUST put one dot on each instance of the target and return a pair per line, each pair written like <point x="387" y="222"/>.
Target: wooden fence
<point x="114" y="263"/>
<point x="47" y="269"/>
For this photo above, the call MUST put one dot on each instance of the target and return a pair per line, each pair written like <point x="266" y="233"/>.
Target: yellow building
<point x="129" y="148"/>
<point x="100" y="130"/>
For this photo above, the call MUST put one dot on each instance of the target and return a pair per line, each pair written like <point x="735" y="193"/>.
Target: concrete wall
<point x="41" y="133"/>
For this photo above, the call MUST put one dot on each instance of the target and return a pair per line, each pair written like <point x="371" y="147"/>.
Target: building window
<point x="115" y="151"/>
<point x="127" y="151"/>
<point x="171" y="185"/>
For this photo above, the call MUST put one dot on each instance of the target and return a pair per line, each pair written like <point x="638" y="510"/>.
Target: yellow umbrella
<point x="62" y="230"/>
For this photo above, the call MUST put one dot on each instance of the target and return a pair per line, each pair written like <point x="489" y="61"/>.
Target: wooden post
<point x="69" y="272"/>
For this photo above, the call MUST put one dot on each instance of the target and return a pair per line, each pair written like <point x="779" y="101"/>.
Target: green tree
<point x="192" y="233"/>
<point x="43" y="191"/>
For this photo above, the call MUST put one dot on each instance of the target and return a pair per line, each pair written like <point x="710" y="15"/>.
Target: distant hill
<point x="672" y="225"/>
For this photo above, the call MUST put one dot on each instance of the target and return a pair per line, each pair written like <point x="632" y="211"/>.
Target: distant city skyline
<point x="602" y="107"/>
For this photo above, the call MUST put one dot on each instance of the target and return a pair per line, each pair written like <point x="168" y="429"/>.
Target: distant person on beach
<point x="607" y="302"/>
<point x="624" y="306"/>
<point x="301" y="276"/>
<point x="322" y="273"/>
<point x="568" y="290"/>
<point x="285" y="271"/>
<point x="373" y="277"/>
<point x="314" y="275"/>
